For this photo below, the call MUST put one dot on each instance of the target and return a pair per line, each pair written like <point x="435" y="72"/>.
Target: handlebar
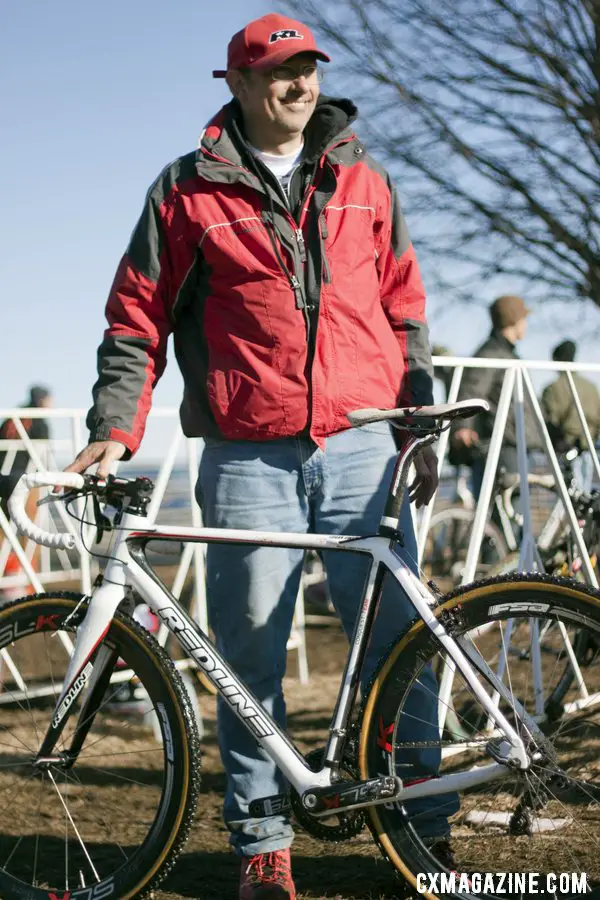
<point x="120" y="493"/>
<point x="16" y="506"/>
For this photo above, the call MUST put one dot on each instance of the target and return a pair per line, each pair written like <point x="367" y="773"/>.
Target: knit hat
<point x="37" y="393"/>
<point x="508" y="310"/>
<point x="565" y="351"/>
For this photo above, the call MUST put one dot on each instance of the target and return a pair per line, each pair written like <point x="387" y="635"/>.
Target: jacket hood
<point x="329" y="124"/>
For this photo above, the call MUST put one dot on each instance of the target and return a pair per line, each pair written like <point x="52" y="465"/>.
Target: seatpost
<point x="388" y="525"/>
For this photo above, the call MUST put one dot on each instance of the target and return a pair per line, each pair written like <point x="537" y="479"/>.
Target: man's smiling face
<point x="280" y="101"/>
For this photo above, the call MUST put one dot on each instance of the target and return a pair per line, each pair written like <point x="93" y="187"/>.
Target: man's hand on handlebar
<point x="102" y="452"/>
<point x="426" y="481"/>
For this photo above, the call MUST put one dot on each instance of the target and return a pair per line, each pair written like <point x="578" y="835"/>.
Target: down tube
<point x="234" y="692"/>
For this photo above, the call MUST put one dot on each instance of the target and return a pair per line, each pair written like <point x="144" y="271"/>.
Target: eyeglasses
<point x="311" y="73"/>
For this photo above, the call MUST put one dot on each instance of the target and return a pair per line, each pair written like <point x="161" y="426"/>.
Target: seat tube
<point x="351" y="677"/>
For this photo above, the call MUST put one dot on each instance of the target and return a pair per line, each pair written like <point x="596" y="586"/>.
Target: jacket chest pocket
<point x="350" y="225"/>
<point x="347" y="239"/>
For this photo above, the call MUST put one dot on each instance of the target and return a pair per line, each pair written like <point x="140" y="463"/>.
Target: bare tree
<point x="488" y="114"/>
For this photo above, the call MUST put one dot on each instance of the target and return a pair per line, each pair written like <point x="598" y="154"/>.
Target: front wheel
<point x="108" y="820"/>
<point x="544" y="820"/>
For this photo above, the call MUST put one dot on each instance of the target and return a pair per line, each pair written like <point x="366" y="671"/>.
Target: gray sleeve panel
<point x="419" y="365"/>
<point x="146" y="242"/>
<point x="418" y="349"/>
<point x="145" y="245"/>
<point x="400" y="236"/>
<point x="122" y="377"/>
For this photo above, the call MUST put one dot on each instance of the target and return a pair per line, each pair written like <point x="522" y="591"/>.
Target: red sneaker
<point x="267" y="876"/>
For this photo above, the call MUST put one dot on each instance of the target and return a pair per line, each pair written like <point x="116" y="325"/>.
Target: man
<point x="278" y="256"/>
<point x="562" y="418"/>
<point x="469" y="445"/>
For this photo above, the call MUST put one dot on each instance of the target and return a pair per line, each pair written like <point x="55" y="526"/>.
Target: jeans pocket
<point x="383" y="428"/>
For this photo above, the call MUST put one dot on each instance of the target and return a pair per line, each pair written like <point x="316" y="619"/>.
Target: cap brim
<point x="276" y="59"/>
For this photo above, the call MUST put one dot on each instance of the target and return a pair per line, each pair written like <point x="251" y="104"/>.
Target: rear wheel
<point x="447" y="544"/>
<point x="111" y="822"/>
<point x="546" y="819"/>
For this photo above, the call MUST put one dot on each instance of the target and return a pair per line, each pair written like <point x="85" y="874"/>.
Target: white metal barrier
<point x="517" y="385"/>
<point x="59" y="567"/>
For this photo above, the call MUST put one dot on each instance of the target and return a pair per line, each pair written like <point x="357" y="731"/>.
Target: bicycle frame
<point x="128" y="566"/>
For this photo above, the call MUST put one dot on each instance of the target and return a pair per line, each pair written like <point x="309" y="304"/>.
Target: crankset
<point x="341" y="825"/>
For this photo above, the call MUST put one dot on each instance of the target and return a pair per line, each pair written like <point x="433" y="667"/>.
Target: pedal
<point x="276" y="805"/>
<point x="351" y="795"/>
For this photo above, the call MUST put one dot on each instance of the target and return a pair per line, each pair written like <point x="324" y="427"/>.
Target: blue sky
<point x="95" y="100"/>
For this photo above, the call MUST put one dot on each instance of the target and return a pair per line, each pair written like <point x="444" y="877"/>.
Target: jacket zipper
<point x="301" y="244"/>
<point x="323" y="235"/>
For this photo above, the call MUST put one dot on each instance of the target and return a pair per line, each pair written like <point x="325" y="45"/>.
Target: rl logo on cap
<point x="285" y="35"/>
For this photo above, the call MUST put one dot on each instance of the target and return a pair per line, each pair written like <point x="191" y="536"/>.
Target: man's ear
<point x="236" y="83"/>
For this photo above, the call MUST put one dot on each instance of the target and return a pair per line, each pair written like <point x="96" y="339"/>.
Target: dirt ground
<point x="208" y="870"/>
<point x="354" y="870"/>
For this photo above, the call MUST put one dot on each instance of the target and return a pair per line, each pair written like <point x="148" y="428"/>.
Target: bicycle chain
<point x="345" y="825"/>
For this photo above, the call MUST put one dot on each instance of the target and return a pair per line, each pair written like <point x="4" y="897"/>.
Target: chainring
<point x="336" y="828"/>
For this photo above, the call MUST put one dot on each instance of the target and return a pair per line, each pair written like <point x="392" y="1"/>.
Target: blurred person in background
<point x="469" y="445"/>
<point x="37" y="429"/>
<point x="562" y="419"/>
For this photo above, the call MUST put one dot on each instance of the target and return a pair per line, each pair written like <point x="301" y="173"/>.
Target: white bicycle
<point x="71" y="766"/>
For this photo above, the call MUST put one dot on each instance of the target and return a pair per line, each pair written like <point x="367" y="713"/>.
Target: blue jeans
<point x="583" y="471"/>
<point x="292" y="485"/>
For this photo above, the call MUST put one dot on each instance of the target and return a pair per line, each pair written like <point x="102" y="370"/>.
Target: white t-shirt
<point x="282" y="167"/>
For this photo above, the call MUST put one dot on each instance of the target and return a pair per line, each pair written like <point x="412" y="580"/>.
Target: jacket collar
<point x="504" y="342"/>
<point x="222" y="146"/>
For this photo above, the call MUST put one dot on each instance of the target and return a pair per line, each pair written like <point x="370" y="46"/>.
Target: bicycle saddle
<point x="419" y="416"/>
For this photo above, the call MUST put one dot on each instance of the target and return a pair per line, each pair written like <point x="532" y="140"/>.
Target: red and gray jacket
<point x="285" y="315"/>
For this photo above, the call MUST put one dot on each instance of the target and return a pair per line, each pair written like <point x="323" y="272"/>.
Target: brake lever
<point x="54" y="497"/>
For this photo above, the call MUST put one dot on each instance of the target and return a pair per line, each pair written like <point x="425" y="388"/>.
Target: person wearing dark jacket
<point x="278" y="256"/>
<point x="562" y="418"/>
<point x="470" y="445"/>
<point x="37" y="429"/>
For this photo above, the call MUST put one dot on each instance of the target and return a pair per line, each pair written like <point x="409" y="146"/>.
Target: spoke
<point x="139" y="752"/>
<point x="37" y="836"/>
<point x="66" y="832"/>
<point x="15" y="786"/>
<point x="578" y="826"/>
<point x="509" y="685"/>
<point x="12" y="746"/>
<point x="120" y="777"/>
<point x="74" y="827"/>
<point x="106" y="701"/>
<point x="14" y="850"/>
<point x="99" y="818"/>
<point x="582" y="785"/>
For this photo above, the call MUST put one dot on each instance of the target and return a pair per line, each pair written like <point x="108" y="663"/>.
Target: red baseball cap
<point x="268" y="42"/>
